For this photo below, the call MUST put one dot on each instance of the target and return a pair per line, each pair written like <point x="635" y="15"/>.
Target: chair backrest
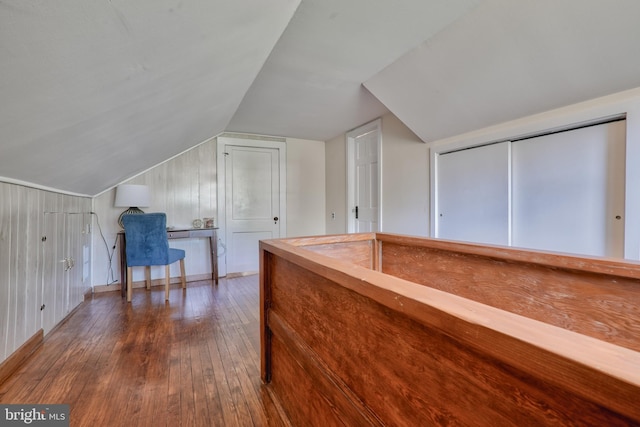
<point x="146" y="237"/>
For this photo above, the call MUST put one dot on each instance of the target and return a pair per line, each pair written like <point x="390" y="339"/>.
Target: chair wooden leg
<point x="129" y="283"/>
<point x="166" y="283"/>
<point x="147" y="276"/>
<point x="182" y="274"/>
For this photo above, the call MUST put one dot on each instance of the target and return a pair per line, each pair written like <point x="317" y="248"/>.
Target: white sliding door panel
<point x="568" y="191"/>
<point x="472" y="194"/>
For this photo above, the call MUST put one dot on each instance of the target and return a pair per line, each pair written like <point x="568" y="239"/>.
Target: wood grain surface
<point x="401" y="353"/>
<point x="602" y="306"/>
<point x="192" y="361"/>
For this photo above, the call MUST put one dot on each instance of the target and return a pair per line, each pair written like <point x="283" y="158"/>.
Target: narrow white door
<point x="252" y="203"/>
<point x="56" y="266"/>
<point x="364" y="184"/>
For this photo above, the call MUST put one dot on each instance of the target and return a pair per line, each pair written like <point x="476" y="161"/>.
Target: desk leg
<point x="123" y="266"/>
<point x="213" y="246"/>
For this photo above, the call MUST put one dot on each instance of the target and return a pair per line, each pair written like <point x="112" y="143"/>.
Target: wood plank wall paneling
<point x="596" y="305"/>
<point x="31" y="273"/>
<point x="34" y="259"/>
<point x="185" y="189"/>
<point x="5" y="269"/>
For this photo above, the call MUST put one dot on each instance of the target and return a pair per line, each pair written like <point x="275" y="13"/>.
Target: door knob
<point x="275" y="219"/>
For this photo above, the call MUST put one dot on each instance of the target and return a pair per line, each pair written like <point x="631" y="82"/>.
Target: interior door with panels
<point x="363" y="178"/>
<point x="254" y="207"/>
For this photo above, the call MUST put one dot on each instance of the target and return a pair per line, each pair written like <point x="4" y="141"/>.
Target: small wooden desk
<point x="191" y="233"/>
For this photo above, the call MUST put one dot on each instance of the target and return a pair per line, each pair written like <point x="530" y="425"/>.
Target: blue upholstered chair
<point x="147" y="245"/>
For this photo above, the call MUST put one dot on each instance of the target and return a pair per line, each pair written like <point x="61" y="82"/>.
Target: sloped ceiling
<point x="92" y="93"/>
<point x="510" y="59"/>
<point x="311" y="85"/>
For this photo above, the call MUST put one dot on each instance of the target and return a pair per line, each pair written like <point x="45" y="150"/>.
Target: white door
<point x="253" y="200"/>
<point x="56" y="266"/>
<point x="472" y="188"/>
<point x="364" y="178"/>
<point x="568" y="191"/>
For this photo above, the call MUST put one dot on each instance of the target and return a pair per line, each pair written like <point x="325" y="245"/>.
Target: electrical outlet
<point x="333" y="215"/>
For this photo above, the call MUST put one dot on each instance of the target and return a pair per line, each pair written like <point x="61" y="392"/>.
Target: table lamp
<point x="133" y="197"/>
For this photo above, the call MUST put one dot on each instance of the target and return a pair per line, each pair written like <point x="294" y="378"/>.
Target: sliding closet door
<point x="472" y="199"/>
<point x="568" y="191"/>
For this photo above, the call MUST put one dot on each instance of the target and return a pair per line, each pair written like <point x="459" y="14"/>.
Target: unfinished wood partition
<point x="380" y="329"/>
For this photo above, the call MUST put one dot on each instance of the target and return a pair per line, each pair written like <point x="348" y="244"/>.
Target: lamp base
<point x="131" y="210"/>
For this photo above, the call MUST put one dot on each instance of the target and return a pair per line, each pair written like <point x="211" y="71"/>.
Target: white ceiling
<point x="510" y="59"/>
<point x="92" y="93"/>
<point x="311" y="85"/>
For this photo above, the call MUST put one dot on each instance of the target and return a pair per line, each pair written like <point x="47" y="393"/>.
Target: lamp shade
<point x="130" y="195"/>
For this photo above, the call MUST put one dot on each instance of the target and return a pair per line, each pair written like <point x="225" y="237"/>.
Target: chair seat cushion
<point x="175" y="255"/>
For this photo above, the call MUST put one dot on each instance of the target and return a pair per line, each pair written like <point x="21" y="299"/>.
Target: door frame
<point x="221" y="143"/>
<point x="374" y="126"/>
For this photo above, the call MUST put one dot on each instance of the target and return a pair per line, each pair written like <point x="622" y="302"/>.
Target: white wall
<point x="185" y="188"/>
<point x="405" y="181"/>
<point x="336" y="185"/>
<point x="305" y="187"/>
<point x="627" y="103"/>
<point x="407" y="195"/>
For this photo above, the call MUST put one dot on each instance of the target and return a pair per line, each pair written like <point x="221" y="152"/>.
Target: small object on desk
<point x="208" y="222"/>
<point x="197" y="223"/>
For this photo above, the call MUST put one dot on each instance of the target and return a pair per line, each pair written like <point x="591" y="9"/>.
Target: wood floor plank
<point x="187" y="398"/>
<point x="192" y="361"/>
<point x="229" y="411"/>
<point x="210" y="390"/>
<point x="247" y="386"/>
<point x="173" y="390"/>
<point x="231" y="372"/>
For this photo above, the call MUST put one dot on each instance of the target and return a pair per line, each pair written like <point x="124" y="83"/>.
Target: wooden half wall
<point x="346" y="341"/>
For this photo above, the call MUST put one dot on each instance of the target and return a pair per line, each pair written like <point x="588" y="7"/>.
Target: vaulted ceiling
<point x="92" y="93"/>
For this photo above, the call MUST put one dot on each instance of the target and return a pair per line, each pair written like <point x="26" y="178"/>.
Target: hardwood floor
<point x="191" y="362"/>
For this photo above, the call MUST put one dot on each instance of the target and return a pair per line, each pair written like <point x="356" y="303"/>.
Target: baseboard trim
<point x="154" y="282"/>
<point x="17" y="358"/>
<point x="106" y="288"/>
<point x="246" y="273"/>
<point x="65" y="318"/>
